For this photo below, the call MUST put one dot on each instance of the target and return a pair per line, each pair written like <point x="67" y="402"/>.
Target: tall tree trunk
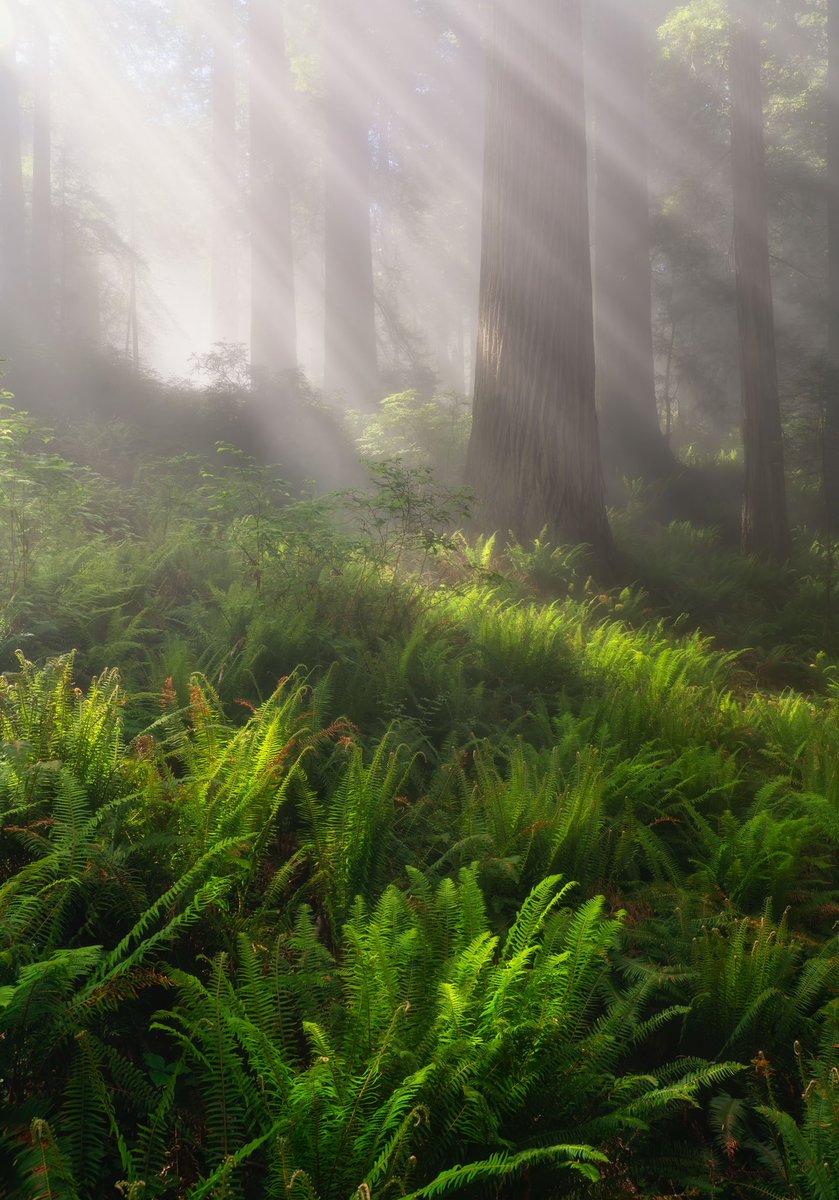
<point x="764" y="522"/>
<point x="132" y="326"/>
<point x="534" y="455"/>
<point x="631" y="438"/>
<point x="13" y="283"/>
<point x="350" y="359"/>
<point x="273" y="314"/>
<point x="224" y="274"/>
<point x="831" y="402"/>
<point x="41" y="260"/>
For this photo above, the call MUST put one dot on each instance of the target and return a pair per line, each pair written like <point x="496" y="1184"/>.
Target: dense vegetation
<point x="350" y="856"/>
<point x="349" y="849"/>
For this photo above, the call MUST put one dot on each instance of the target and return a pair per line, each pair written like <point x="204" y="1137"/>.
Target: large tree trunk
<point x="631" y="438"/>
<point x="350" y="359"/>
<point x="831" y="403"/>
<point x="273" y="315"/>
<point x="13" y="282"/>
<point x="224" y="264"/>
<point x="764" y="522"/>
<point x="41" y="260"/>
<point x="534" y="456"/>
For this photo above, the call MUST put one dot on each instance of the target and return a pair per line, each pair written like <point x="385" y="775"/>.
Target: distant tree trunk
<point x="350" y="358"/>
<point x="132" y="326"/>
<point x="459" y="356"/>
<point x="764" y="522"/>
<point x="41" y="259"/>
<point x="13" y="283"/>
<point x="630" y="432"/>
<point x="448" y="370"/>
<point x="273" y="313"/>
<point x="534" y="456"/>
<point x="831" y="404"/>
<point x="224" y="275"/>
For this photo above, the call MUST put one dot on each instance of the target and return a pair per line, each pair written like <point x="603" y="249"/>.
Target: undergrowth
<point x="391" y="863"/>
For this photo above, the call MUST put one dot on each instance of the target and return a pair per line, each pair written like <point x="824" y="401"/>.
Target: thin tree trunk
<point x="224" y="274"/>
<point x="350" y="357"/>
<point x="41" y="260"/>
<point x="13" y="283"/>
<point x="273" y="312"/>
<point x="459" y="360"/>
<point x="668" y="375"/>
<point x="764" y="521"/>
<point x="831" y="402"/>
<point x="631" y="437"/>
<point x="534" y="455"/>
<point x="64" y="271"/>
<point x="132" y="327"/>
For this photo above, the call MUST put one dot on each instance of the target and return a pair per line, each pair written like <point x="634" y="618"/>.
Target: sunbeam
<point x="419" y="637"/>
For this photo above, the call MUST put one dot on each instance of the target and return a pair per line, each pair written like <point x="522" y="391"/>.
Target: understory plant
<point x="285" y="850"/>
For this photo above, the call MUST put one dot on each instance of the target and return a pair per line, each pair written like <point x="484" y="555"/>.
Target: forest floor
<point x="341" y="855"/>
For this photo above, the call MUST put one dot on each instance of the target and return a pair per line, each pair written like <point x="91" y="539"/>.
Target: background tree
<point x="617" y="75"/>
<point x="534" y="455"/>
<point x="13" y="283"/>
<point x="765" y="530"/>
<point x="273" y="312"/>
<point x="830" y="471"/>
<point x="350" y="350"/>
<point x="224" y="251"/>
<point x="41" y="252"/>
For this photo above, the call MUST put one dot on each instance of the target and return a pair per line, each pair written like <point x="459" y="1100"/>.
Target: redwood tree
<point x="534" y="455"/>
<point x="13" y="284"/>
<point x="831" y="407"/>
<point x="764" y="520"/>
<point x="41" y="256"/>
<point x="350" y="359"/>
<point x="617" y="68"/>
<point x="224" y="259"/>
<point x="273" y="315"/>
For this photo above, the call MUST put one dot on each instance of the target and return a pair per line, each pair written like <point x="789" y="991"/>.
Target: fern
<point x="498" y="1167"/>
<point x="43" y="1167"/>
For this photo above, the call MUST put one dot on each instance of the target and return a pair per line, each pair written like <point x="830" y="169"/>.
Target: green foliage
<point x="431" y="1040"/>
<point x="41" y="494"/>
<point x="806" y="1162"/>
<point x="420" y="433"/>
<point x="752" y="991"/>
<point x="281" y="915"/>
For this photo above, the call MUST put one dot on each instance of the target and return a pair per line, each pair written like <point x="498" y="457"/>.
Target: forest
<point x="419" y="599"/>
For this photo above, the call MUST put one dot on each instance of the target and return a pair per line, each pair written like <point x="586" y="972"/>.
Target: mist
<point x="296" y="190"/>
<point x="152" y="180"/>
<point x="419" y="638"/>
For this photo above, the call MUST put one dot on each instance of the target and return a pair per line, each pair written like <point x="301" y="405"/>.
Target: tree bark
<point x="631" y="438"/>
<point x="534" y="455"/>
<point x="350" y="351"/>
<point x="41" y="256"/>
<point x="273" y="313"/>
<point x="224" y="263"/>
<point x="13" y="282"/>
<point x="764" y="520"/>
<point x="830" y="481"/>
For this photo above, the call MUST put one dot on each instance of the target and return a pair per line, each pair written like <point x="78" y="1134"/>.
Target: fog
<point x="297" y="187"/>
<point x="140" y="193"/>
